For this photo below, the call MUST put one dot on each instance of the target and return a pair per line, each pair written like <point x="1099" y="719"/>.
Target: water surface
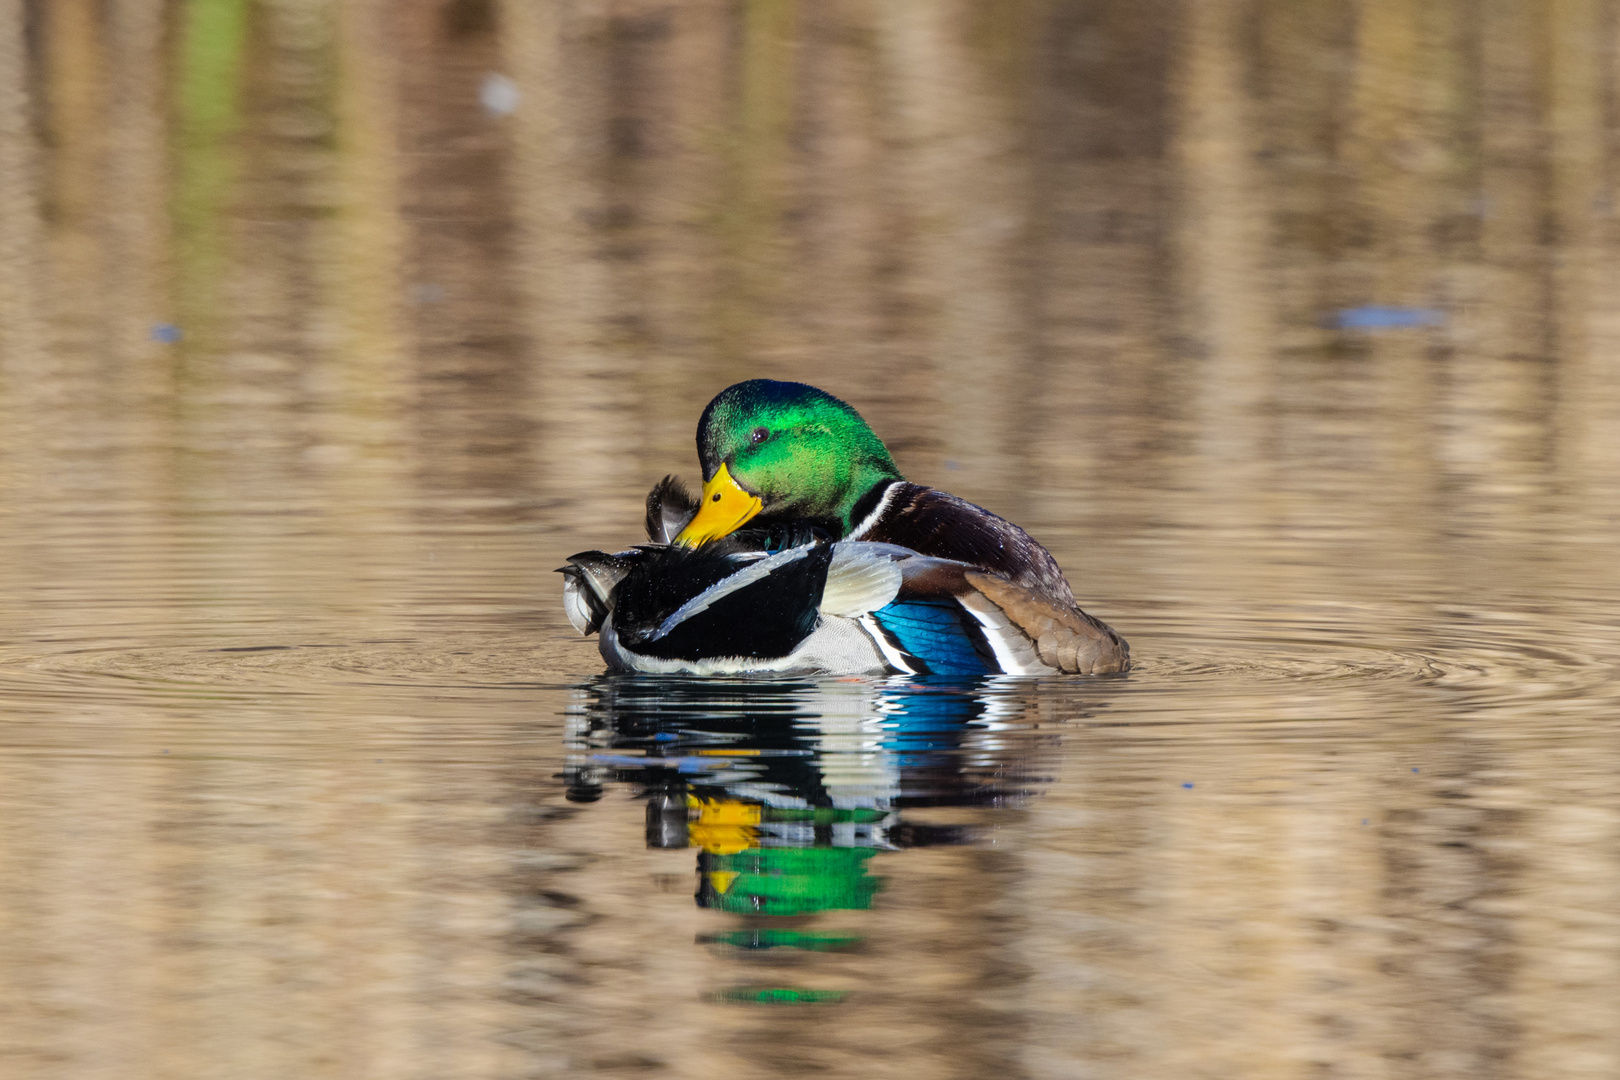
<point x="330" y="329"/>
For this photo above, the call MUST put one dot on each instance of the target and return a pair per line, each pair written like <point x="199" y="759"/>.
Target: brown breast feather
<point x="1065" y="637"/>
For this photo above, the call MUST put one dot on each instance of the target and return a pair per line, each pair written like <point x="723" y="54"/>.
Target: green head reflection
<point x="787" y="881"/>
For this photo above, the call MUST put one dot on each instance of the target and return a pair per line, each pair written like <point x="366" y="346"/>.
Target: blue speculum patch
<point x="939" y="633"/>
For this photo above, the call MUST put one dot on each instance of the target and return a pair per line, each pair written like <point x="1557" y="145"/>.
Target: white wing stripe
<point x="1011" y="646"/>
<point x="897" y="659"/>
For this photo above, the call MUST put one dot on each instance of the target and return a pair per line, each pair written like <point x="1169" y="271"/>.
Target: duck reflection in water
<point x="788" y="789"/>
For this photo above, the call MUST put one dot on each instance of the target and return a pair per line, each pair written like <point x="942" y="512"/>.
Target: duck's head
<point x="782" y="450"/>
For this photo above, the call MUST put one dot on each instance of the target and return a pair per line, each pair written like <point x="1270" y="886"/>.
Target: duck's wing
<point x="588" y="583"/>
<point x="953" y="618"/>
<point x="1015" y="589"/>
<point x="937" y="524"/>
<point x="669" y="507"/>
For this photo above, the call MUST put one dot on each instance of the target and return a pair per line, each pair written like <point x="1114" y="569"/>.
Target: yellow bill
<point x="725" y="507"/>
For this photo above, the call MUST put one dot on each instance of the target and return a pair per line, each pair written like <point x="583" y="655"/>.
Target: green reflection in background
<point x="209" y="87"/>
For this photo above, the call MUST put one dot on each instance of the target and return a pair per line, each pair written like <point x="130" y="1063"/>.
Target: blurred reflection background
<point x="328" y="327"/>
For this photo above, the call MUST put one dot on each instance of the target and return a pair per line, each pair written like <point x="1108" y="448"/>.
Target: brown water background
<point x="329" y="328"/>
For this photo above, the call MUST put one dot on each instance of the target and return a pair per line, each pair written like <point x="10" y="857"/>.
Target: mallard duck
<point x="809" y="552"/>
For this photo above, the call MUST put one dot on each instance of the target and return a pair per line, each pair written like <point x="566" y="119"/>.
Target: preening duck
<point x="809" y="552"/>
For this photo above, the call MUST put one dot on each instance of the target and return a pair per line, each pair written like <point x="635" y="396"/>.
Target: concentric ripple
<point x="299" y="668"/>
<point x="1476" y="659"/>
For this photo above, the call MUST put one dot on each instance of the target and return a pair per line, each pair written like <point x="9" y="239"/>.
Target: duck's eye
<point x="758" y="435"/>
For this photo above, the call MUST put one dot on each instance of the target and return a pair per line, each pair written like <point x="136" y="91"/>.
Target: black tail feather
<point x="669" y="507"/>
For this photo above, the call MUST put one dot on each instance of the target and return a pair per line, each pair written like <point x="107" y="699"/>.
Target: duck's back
<point x="933" y="522"/>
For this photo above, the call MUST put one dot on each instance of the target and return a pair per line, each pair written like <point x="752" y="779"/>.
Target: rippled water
<point x="329" y="330"/>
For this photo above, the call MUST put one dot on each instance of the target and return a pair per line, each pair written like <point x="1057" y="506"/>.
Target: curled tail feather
<point x="1065" y="637"/>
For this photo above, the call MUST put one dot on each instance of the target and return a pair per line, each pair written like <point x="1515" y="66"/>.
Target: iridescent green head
<point x="783" y="450"/>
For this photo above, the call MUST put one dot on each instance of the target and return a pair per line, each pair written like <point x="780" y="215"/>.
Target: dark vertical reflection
<point x="1098" y="131"/>
<point x="136" y="259"/>
<point x="1224" y="232"/>
<point x="21" y="222"/>
<point x="73" y="90"/>
<point x="764" y="82"/>
<point x="455" y="200"/>
<point x="584" y="397"/>
<point x="1448" y="865"/>
<point x="1581" y="62"/>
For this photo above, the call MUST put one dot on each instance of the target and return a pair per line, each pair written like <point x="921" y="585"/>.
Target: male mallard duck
<point x="843" y="567"/>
